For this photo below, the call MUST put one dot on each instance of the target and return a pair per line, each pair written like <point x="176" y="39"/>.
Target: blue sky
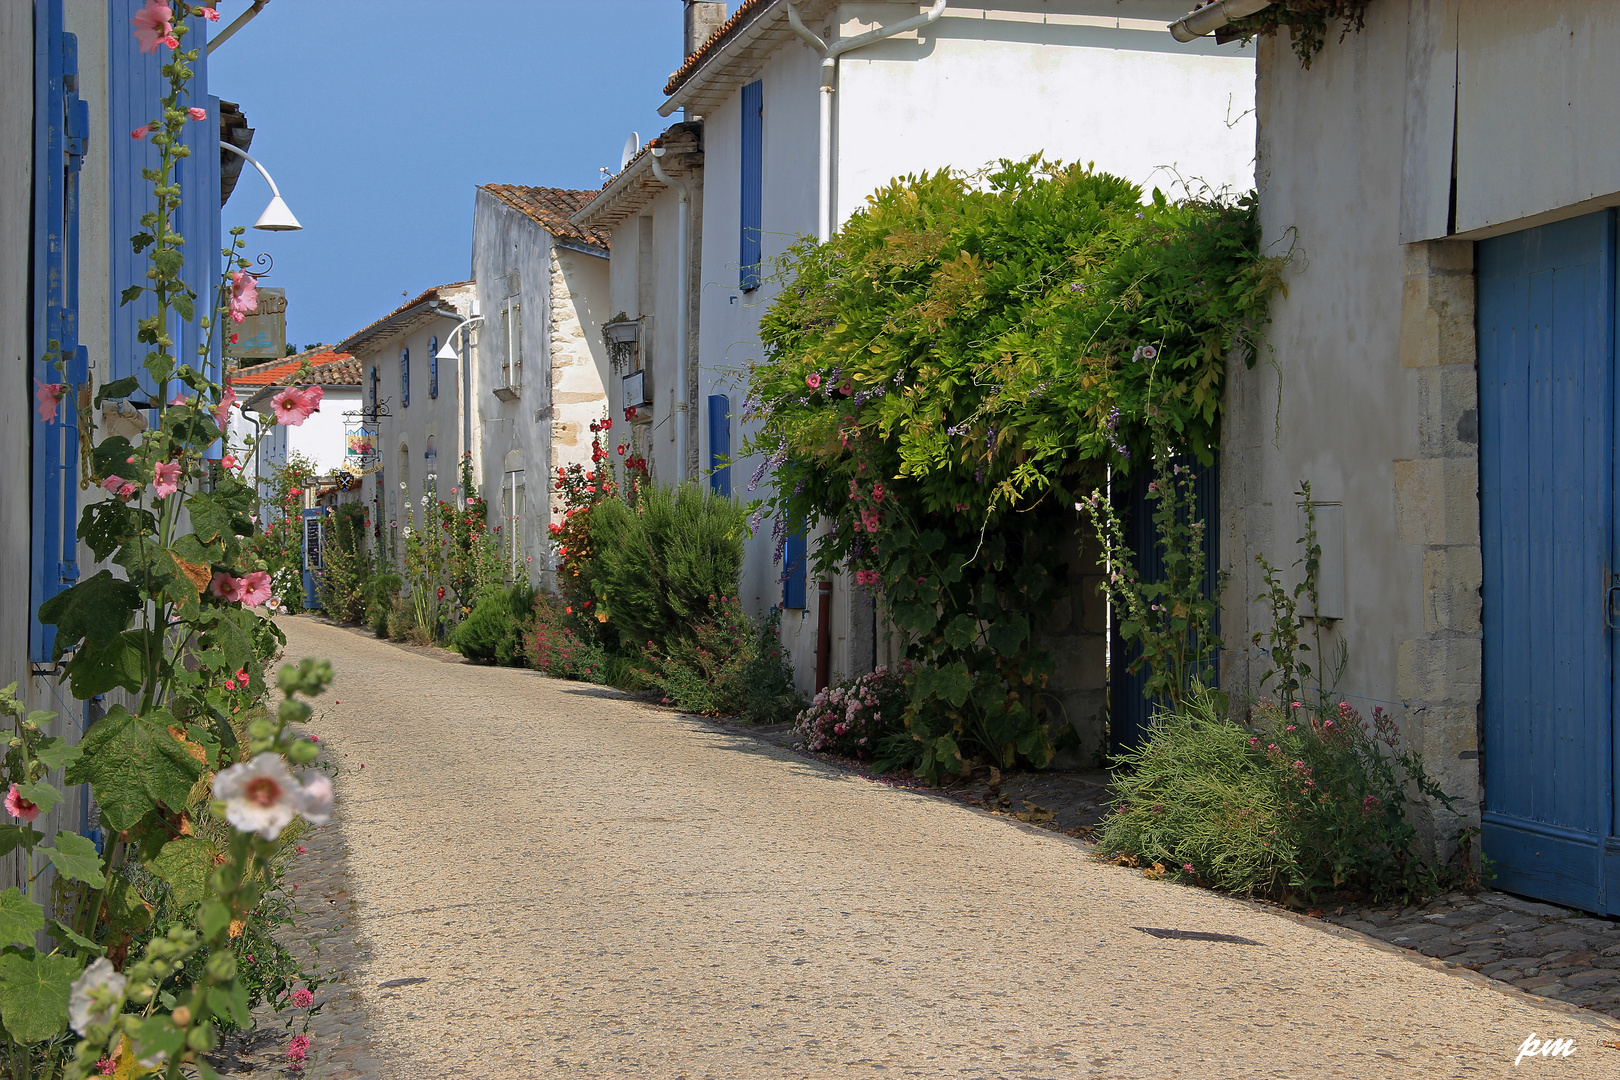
<point x="378" y="117"/>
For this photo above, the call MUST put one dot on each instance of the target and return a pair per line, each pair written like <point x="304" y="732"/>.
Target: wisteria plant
<point x="171" y="632"/>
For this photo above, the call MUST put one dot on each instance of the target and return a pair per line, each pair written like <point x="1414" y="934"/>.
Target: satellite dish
<point x="631" y="145"/>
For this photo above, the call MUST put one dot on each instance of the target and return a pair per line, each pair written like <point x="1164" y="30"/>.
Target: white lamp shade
<point x="277" y="218"/>
<point x="447" y="353"/>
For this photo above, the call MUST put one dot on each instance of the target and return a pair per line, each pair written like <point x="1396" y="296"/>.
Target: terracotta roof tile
<point x="328" y="368"/>
<point x="435" y="293"/>
<point x="551" y="208"/>
<point x="745" y="11"/>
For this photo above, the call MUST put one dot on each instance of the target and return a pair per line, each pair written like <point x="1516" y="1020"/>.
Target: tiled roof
<point x="357" y="338"/>
<point x="328" y="368"/>
<point x="551" y="208"/>
<point x="745" y="11"/>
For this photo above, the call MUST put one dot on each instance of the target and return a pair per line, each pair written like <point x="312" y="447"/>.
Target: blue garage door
<point x="1547" y="475"/>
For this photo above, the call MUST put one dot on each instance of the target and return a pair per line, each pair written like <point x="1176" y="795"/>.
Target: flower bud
<point x="201" y="1037"/>
<point x="302" y="752"/>
<point x="181" y="1017"/>
<point x="222" y="967"/>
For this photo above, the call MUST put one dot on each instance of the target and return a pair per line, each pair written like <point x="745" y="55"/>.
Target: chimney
<point x="703" y="18"/>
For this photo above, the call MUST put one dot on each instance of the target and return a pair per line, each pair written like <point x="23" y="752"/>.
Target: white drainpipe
<point x="681" y="301"/>
<point x="829" y="76"/>
<point x="1211" y="17"/>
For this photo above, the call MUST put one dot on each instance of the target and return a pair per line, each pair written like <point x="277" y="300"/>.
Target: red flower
<point x="441" y="592"/>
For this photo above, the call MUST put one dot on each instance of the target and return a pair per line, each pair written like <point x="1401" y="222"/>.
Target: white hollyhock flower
<point x="262" y="796"/>
<point x="96" y="997"/>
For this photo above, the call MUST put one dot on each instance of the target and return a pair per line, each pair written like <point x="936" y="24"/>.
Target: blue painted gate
<point x="1546" y="317"/>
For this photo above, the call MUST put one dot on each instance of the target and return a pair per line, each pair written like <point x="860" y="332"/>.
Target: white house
<point x="1448" y="179"/>
<point x="410" y="404"/>
<point x="539" y="377"/>
<point x="787" y="128"/>
<point x="320" y="438"/>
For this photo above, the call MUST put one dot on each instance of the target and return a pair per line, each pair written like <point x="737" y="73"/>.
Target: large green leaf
<point x="13" y="837"/>
<point x="96" y="669"/>
<point x="120" y="388"/>
<point x="95" y="611"/>
<point x="57" y="753"/>
<point x="232" y="634"/>
<point x="961" y="631"/>
<point x="133" y="764"/>
<point x="954" y="683"/>
<point x="111" y="455"/>
<point x="76" y="858"/>
<point x="34" y="994"/>
<point x="65" y="935"/>
<point x="20" y="918"/>
<point x="1008" y="632"/>
<point x="185" y="864"/>
<point x="107" y="525"/>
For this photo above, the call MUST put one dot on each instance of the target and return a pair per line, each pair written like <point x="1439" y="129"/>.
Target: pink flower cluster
<point x="302" y="998"/>
<point x="251" y="591"/>
<point x="298" y="1049"/>
<point x="852" y="716"/>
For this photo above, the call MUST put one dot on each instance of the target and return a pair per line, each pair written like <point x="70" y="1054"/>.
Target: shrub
<point x="1303" y="802"/>
<point x="731" y="666"/>
<point x="381" y="593"/>
<point x="853" y="717"/>
<point x="556" y="648"/>
<point x="496" y="628"/>
<point x="342" y="581"/>
<point x="660" y="565"/>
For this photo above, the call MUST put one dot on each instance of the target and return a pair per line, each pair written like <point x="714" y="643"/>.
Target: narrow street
<point x="590" y="887"/>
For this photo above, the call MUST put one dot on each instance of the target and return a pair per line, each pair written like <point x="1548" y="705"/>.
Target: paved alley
<point x="586" y="886"/>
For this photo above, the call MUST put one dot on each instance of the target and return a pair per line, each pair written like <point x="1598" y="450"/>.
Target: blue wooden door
<point x="1547" y="443"/>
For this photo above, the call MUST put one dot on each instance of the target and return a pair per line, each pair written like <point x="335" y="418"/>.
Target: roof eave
<point x="745" y="45"/>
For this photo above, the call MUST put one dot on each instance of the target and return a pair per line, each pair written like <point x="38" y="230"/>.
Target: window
<point x="753" y="181"/>
<point x="375" y="379"/>
<point x="512" y="505"/>
<point x="404" y="378"/>
<point x="720" y="444"/>
<point x="512" y="343"/>
<point x="433" y="366"/>
<point x="793" y="560"/>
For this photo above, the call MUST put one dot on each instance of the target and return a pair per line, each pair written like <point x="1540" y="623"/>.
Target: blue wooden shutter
<point x="404" y="377"/>
<point x="720" y="444"/>
<point x="433" y="366"/>
<point x="61" y="130"/>
<point x="793" y="571"/>
<point x="753" y="181"/>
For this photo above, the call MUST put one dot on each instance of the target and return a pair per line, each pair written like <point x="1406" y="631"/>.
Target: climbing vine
<point x="1308" y="23"/>
<point x="943" y="380"/>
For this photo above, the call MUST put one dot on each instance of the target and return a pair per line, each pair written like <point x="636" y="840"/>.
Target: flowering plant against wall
<point x="949" y="374"/>
<point x="277" y="544"/>
<point x="172" y="624"/>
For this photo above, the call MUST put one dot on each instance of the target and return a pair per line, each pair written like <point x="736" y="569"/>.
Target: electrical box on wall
<point x="1330" y="571"/>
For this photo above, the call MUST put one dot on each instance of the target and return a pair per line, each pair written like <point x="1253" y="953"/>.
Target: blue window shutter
<point x="433" y="366"/>
<point x="793" y="572"/>
<point x="404" y="377"/>
<point x="720" y="444"/>
<point x="753" y="181"/>
<point x="61" y="134"/>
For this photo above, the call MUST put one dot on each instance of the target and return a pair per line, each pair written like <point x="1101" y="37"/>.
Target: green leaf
<point x="41" y="794"/>
<point x="13" y="837"/>
<point x="95" y="612"/>
<point x="20" y="918"/>
<point x="185" y="864"/>
<point x="66" y="935"/>
<point x="128" y="295"/>
<point x="108" y="457"/>
<point x="961" y="631"/>
<point x="76" y="859"/>
<point x="57" y="753"/>
<point x="133" y="765"/>
<point x="1008" y="632"/>
<point x="96" y="670"/>
<point x="954" y="683"/>
<point x="110" y="524"/>
<point x="182" y="305"/>
<point x="34" y="994"/>
<point x="214" y="917"/>
<point x="141" y="241"/>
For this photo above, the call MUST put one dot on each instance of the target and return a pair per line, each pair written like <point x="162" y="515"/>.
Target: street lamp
<point x="276" y="216"/>
<point x="447" y="352"/>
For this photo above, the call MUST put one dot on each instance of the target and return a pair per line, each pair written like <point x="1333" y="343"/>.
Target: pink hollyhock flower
<point x="469" y="502"/>
<point x="127" y="491"/>
<point x="226" y="586"/>
<point x="152" y="27"/>
<point x="262" y="796"/>
<point x="290" y="407"/>
<point x="255" y="588"/>
<point x="242" y="676"/>
<point x="140" y="132"/>
<point x="113" y="483"/>
<point x="235" y="338"/>
<point x="293" y="493"/>
<point x="196" y="113"/>
<point x="48" y="395"/>
<point x="302" y="998"/>
<point x="209" y="13"/>
<point x="222" y="410"/>
<point x="228" y="461"/>
<point x="19" y="807"/>
<point x="244" y="295"/>
<point x="167" y="479"/>
<point x="813" y="380"/>
<point x="313" y="396"/>
<point x="230" y="684"/>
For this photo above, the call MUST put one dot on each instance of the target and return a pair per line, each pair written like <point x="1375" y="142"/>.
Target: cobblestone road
<point x="583" y="886"/>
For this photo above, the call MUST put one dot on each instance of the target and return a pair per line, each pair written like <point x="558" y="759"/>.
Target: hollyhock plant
<point x="153" y="26"/>
<point x="167" y="478"/>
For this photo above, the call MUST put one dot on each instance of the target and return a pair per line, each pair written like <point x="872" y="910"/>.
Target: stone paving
<point x="530" y="878"/>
